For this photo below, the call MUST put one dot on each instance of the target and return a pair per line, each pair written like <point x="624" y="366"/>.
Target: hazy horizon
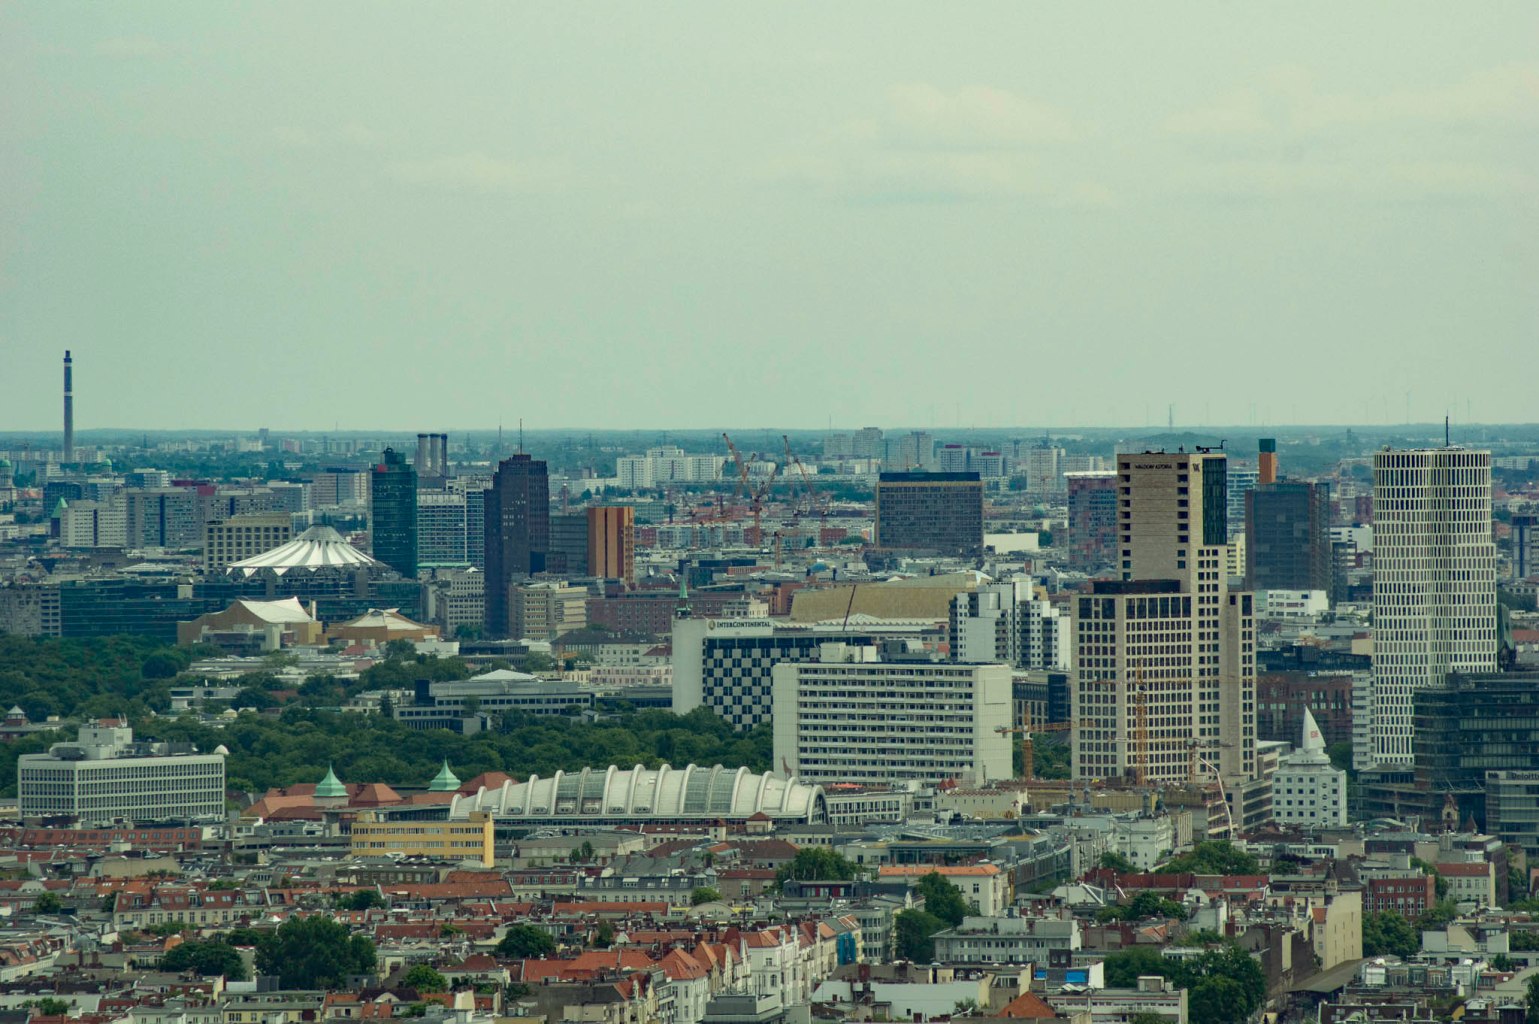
<point x="661" y="217"/>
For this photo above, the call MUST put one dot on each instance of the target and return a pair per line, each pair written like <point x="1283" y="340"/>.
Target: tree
<point x="1437" y="916"/>
<point x="1123" y="968"/>
<point x="1387" y="933"/>
<point x="400" y="650"/>
<point x="1148" y="1017"/>
<point x="704" y="894"/>
<point x="942" y="899"/>
<point x="604" y="935"/>
<point x="422" y="978"/>
<point x="362" y="899"/>
<point x="1144" y="904"/>
<point x="816" y="864"/>
<point x="47" y="903"/>
<point x="1532" y="1017"/>
<point x="523" y="941"/>
<point x="163" y="665"/>
<point x="1113" y="861"/>
<point x="1217" y="1000"/>
<point x="1503" y="962"/>
<point x="48" y="1006"/>
<point x="1213" y="857"/>
<point x="915" y="930"/>
<point x="206" y="960"/>
<point x="314" y="952"/>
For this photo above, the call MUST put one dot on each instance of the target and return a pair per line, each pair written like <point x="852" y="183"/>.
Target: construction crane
<point x="1028" y="748"/>
<point x="1138" y="754"/>
<point x="741" y="489"/>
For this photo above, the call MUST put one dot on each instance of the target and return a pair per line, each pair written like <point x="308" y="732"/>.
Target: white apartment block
<point x="443" y="528"/>
<point x="1006" y="622"/>
<point x="665" y="465"/>
<point x="849" y="718"/>
<point x="1434" y="584"/>
<point x="94" y="524"/>
<point x="104" y="776"/>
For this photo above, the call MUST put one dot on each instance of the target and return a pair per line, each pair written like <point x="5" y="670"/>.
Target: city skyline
<point x="517" y="212"/>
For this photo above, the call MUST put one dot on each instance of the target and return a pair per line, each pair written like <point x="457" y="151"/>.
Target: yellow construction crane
<point x="1028" y="748"/>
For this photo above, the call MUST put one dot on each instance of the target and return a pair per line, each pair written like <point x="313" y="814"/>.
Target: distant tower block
<point x="69" y="408"/>
<point x="1266" y="461"/>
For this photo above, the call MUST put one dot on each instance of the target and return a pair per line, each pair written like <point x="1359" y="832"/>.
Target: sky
<point x="652" y="215"/>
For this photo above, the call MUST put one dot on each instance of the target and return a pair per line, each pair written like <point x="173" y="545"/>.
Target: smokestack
<point x="424" y="455"/>
<point x="69" y="408"/>
<point x="441" y="460"/>
<point x="1266" y="461"/>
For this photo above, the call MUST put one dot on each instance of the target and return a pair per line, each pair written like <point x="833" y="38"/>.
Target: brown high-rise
<point x="517" y="532"/>
<point x="612" y="542"/>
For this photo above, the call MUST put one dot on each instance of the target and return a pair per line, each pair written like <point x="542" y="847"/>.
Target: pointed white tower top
<point x="1313" y="740"/>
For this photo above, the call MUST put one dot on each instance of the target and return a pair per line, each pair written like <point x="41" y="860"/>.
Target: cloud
<point x="971" y="117"/>
<point x="1287" y="103"/>
<point x="470" y="172"/>
<point x="1407" y="180"/>
<point x="925" y="144"/>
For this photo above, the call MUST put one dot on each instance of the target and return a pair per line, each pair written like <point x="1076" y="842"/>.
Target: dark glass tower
<point x="393" y="505"/>
<point x="517" y="532"/>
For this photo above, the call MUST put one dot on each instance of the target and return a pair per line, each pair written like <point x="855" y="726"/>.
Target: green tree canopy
<point x="314" y="952"/>
<point x="206" y="959"/>
<point x="1387" y="933"/>
<point x="704" y="894"/>
<point x="422" y="978"/>
<point x="942" y="899"/>
<point x="914" y="932"/>
<point x="816" y="864"/>
<point x="1113" y="861"/>
<point x="1213" y="857"/>
<point x="361" y="899"/>
<point x="524" y="941"/>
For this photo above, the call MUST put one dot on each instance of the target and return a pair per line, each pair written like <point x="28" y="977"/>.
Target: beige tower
<point x="1165" y="657"/>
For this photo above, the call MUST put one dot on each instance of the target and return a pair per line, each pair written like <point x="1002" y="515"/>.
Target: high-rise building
<point x="848" y="717"/>
<point x="1524" y="545"/>
<point x="230" y="540"/>
<point x="1165" y="656"/>
<point x="914" y="450"/>
<point x="69" y="409"/>
<point x="1041" y="466"/>
<point x="568" y="554"/>
<point x="517" y="531"/>
<point x="393" y="512"/>
<point x="1006" y="622"/>
<point x="444" y="528"/>
<point x="930" y="512"/>
<point x="546" y="610"/>
<point x="1092" y="520"/>
<point x="169" y="517"/>
<point x="1434" y="585"/>
<point x="1241" y="480"/>
<point x="612" y="542"/>
<point x="1288" y="537"/>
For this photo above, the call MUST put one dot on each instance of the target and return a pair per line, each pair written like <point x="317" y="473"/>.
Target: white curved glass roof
<point x="319" y="547"/>
<point x="638" y="793"/>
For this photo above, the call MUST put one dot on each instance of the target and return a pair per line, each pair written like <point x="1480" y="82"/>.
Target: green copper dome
<point x="445" y="781"/>
<point x="330" y="786"/>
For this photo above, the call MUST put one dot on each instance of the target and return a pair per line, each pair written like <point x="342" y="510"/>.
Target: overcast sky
<point x="439" y="215"/>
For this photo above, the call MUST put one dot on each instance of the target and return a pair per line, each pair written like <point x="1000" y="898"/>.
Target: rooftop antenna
<point x="521" y="435"/>
<point x="1447" y="443"/>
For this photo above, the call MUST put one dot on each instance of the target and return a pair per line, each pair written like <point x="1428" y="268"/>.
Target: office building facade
<point x="1307" y="790"/>
<point x="393" y="512"/>
<point x="612" y="542"/>
<point x="1288" y="537"/>
<point x="847" y="717"/>
<point x="444" y="529"/>
<point x="1165" y="657"/>
<point x="105" y="776"/>
<point x="226" y="541"/>
<point x="1434" y="586"/>
<point x="517" y="531"/>
<point x="1092" y="520"/>
<point x="726" y="664"/>
<point x="940" y="513"/>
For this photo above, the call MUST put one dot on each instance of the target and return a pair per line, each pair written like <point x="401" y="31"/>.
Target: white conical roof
<point x="1312" y="743"/>
<point x="319" y="547"/>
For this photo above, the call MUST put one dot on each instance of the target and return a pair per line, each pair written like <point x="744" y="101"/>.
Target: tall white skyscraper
<point x="1434" y="584"/>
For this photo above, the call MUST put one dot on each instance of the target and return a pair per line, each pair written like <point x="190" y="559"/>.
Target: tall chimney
<point x="69" y="408"/>
<point x="441" y="459"/>
<point x="424" y="465"/>
<point x="1266" y="461"/>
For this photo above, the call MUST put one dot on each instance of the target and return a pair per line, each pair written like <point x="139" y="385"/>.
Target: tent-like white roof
<point x="319" y="547"/>
<point x="287" y="609"/>
<point x="383" y="618"/>
<point x="618" y="795"/>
